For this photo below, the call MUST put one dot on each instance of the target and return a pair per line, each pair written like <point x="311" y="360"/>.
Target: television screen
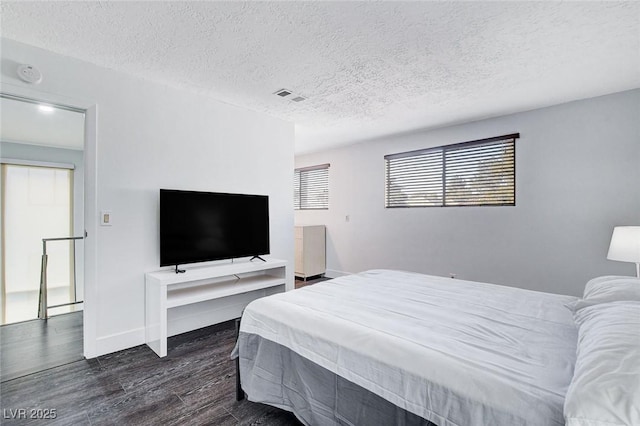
<point x="204" y="226"/>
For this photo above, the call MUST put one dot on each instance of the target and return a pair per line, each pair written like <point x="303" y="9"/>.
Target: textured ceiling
<point x="368" y="69"/>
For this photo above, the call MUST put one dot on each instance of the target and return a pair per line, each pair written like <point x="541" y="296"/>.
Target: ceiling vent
<point x="283" y="93"/>
<point x="286" y="93"/>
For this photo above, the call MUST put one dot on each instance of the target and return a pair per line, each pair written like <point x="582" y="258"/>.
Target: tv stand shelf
<point x="166" y="290"/>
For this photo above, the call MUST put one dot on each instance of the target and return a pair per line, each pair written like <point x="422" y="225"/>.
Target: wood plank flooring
<point x="299" y="282"/>
<point x="193" y="385"/>
<point x="37" y="345"/>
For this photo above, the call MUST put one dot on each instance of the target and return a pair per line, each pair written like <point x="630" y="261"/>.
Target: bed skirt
<point x="275" y="375"/>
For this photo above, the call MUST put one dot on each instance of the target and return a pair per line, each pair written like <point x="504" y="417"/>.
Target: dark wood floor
<point x="42" y="367"/>
<point x="299" y="282"/>
<point x="32" y="346"/>
<point x="193" y="385"/>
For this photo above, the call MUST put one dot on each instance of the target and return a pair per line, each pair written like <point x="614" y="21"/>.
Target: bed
<point x="401" y="348"/>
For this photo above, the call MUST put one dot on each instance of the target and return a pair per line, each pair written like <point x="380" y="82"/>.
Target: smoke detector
<point x="29" y="73"/>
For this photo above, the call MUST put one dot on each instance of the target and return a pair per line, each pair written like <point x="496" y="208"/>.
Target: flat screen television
<point x="204" y="226"/>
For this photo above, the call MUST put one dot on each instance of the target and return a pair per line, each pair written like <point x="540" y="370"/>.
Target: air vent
<point x="283" y="92"/>
<point x="286" y="93"/>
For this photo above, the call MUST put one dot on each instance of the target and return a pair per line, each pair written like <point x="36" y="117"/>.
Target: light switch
<point x="106" y="218"/>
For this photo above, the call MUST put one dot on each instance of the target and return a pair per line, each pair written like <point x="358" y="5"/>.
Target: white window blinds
<point x="476" y="173"/>
<point x="311" y="187"/>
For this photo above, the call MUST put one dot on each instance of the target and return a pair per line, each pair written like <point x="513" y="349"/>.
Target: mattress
<point x="449" y="351"/>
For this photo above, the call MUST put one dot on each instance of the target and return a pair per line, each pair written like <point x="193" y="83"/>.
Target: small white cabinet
<point x="166" y="290"/>
<point x="310" y="250"/>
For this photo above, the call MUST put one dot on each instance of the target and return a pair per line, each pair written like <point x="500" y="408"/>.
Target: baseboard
<point x="332" y="273"/>
<point x="119" y="341"/>
<point x="129" y="339"/>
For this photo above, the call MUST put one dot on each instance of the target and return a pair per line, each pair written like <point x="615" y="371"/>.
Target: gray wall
<point x="577" y="176"/>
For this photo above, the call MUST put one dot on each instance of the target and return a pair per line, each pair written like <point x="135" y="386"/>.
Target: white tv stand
<point x="165" y="290"/>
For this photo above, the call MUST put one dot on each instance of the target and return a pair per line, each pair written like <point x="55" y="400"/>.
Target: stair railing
<point x="43" y="308"/>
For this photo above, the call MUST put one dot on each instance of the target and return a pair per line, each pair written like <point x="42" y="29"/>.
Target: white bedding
<point x="453" y="352"/>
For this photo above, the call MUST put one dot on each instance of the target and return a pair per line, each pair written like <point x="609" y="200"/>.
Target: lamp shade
<point x="625" y="244"/>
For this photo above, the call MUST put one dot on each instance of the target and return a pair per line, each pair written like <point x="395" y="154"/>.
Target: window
<point x="37" y="203"/>
<point x="311" y="188"/>
<point x="476" y="173"/>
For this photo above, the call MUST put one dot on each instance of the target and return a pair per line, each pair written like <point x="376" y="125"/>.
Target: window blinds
<point x="476" y="173"/>
<point x="311" y="188"/>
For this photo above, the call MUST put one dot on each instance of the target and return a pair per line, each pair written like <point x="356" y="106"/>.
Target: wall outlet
<point x="347" y="218"/>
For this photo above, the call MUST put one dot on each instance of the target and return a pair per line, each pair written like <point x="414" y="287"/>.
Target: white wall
<point x="577" y="176"/>
<point x="150" y="136"/>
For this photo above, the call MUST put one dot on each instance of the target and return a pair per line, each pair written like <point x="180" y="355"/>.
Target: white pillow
<point x="607" y="289"/>
<point x="596" y="284"/>
<point x="605" y="388"/>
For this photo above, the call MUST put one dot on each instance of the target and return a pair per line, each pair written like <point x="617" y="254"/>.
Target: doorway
<point x="37" y="203"/>
<point x="41" y="196"/>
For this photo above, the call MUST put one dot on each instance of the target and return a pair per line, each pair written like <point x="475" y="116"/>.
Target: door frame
<point x="90" y="110"/>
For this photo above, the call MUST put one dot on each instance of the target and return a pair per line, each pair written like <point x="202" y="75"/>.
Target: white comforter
<point x="454" y="352"/>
